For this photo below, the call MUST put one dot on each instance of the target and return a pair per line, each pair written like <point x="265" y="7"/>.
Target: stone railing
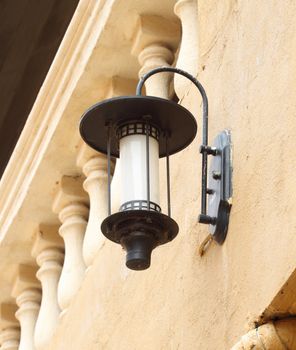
<point x="53" y="210"/>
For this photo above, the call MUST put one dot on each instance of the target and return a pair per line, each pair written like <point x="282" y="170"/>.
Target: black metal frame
<point x="205" y="150"/>
<point x="147" y="161"/>
<point x="137" y="128"/>
<point x="219" y="209"/>
<point x="139" y="226"/>
<point x="140" y="205"/>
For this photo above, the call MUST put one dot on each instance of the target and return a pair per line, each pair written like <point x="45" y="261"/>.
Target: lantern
<point x="139" y="130"/>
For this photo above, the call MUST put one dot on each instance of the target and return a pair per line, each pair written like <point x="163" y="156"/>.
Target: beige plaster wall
<point x="248" y="66"/>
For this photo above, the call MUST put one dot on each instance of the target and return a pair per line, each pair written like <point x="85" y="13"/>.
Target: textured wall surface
<point x="247" y="65"/>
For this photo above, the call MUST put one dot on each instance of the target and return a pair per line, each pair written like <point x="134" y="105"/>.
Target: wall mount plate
<point x="220" y="186"/>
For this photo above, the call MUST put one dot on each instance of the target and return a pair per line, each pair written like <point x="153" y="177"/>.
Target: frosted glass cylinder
<point x="133" y="169"/>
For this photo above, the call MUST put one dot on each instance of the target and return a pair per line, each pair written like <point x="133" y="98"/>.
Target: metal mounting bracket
<point x="219" y="188"/>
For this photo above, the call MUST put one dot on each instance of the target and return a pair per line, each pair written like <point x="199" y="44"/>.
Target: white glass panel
<point x="133" y="168"/>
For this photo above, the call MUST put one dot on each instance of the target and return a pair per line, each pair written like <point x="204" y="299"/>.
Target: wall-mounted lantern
<point x="140" y="130"/>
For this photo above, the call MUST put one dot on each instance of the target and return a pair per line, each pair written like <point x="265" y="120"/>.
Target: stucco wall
<point x="247" y="65"/>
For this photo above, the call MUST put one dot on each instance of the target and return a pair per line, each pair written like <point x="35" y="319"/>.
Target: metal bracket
<point x="219" y="188"/>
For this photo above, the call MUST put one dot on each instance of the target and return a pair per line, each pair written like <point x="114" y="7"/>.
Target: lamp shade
<point x="134" y="172"/>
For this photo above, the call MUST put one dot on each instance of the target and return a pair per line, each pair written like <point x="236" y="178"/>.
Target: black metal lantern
<point x="140" y="130"/>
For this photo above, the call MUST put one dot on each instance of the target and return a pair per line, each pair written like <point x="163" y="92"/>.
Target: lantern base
<point x="138" y="247"/>
<point x="139" y="232"/>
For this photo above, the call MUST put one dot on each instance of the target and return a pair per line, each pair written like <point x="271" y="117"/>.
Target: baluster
<point x="49" y="254"/>
<point x="9" y="327"/>
<point x="27" y="292"/>
<point x="156" y="56"/>
<point x="71" y="205"/>
<point x="94" y="167"/>
<point x="155" y="41"/>
<point x="187" y="11"/>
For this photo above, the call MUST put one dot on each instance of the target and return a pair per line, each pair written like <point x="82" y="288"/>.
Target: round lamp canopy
<point x="169" y="118"/>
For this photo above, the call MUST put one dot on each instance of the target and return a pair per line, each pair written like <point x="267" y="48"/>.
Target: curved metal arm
<point x="204" y="148"/>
